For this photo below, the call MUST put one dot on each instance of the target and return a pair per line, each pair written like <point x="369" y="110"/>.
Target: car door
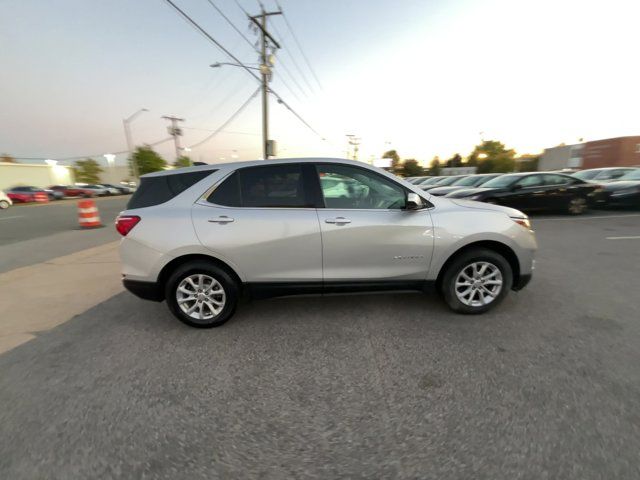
<point x="262" y="221"/>
<point x="558" y="191"/>
<point x="367" y="234"/>
<point x="528" y="193"/>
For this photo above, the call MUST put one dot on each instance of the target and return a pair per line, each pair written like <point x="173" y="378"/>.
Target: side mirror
<point x="414" y="202"/>
<point x="516" y="187"/>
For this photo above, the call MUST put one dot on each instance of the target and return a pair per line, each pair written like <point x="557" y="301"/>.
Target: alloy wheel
<point x="577" y="205"/>
<point x="478" y="284"/>
<point x="201" y="297"/>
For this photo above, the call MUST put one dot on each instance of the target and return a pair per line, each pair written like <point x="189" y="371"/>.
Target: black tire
<point x="461" y="262"/>
<point x="229" y="285"/>
<point x="577" y="205"/>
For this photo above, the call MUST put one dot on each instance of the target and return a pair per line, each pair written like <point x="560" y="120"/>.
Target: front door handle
<point x="338" y="220"/>
<point x="223" y="219"/>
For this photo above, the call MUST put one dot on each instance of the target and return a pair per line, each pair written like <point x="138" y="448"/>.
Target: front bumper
<point x="144" y="290"/>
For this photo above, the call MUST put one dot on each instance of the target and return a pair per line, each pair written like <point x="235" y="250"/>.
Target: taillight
<point x="125" y="223"/>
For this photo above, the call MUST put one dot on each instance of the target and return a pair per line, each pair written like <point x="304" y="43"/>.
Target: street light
<point x="127" y="134"/>
<point x="110" y="160"/>
<point x="220" y="64"/>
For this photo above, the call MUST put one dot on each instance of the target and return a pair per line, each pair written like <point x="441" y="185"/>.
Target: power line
<point x="193" y="23"/>
<point x="232" y="25"/>
<point x="286" y="21"/>
<point x="228" y="121"/>
<point x="241" y="8"/>
<point x="293" y="60"/>
<point x="285" y="69"/>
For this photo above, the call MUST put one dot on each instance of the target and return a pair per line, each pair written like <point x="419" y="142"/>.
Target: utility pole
<point x="265" y="71"/>
<point x="175" y="131"/>
<point x="126" y="122"/>
<point x="354" y="142"/>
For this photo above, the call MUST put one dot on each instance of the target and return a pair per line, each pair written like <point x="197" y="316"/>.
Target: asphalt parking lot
<point x="367" y="386"/>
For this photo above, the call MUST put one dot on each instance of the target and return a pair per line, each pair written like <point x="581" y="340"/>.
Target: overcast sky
<point x="424" y="77"/>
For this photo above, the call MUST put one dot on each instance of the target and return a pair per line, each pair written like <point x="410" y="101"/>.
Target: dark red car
<point x="27" y="194"/>
<point x="73" y="191"/>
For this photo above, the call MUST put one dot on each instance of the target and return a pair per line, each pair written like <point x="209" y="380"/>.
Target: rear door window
<point x="274" y="186"/>
<point x="156" y="190"/>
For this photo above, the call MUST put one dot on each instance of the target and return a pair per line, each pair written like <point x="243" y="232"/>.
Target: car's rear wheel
<point x="201" y="294"/>
<point x="4" y="204"/>
<point x="577" y="206"/>
<point x="476" y="281"/>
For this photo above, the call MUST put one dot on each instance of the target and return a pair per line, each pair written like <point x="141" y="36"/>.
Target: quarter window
<point x="555" y="180"/>
<point x="356" y="188"/>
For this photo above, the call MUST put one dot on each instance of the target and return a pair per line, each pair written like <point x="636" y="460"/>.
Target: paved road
<point x="31" y="234"/>
<point x="377" y="386"/>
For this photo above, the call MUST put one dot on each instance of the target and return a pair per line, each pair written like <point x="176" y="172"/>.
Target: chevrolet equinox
<point x="203" y="237"/>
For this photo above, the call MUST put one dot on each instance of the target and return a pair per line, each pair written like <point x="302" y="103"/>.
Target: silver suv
<point x="203" y="237"/>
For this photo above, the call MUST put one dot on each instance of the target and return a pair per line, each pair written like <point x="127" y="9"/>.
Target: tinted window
<point x="273" y="186"/>
<point x="531" y="181"/>
<point x="157" y="190"/>
<point x="349" y="187"/>
<point x="555" y="180"/>
<point x="586" y="174"/>
<point x="501" y="181"/>
<point x="227" y="193"/>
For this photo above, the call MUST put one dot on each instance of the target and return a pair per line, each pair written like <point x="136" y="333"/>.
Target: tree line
<point x="490" y="156"/>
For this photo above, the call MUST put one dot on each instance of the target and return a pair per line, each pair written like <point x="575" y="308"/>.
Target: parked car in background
<point x="27" y="194"/>
<point x="535" y="192"/>
<point x="109" y="190"/>
<point x="267" y="228"/>
<point x="624" y="192"/>
<point x="73" y="191"/>
<point x="98" y="190"/>
<point x="5" y="201"/>
<point x="603" y="175"/>
<point x="53" y="194"/>
<point x="121" y="189"/>
<point x="427" y="180"/>
<point x="466" y="182"/>
<point x="442" y="182"/>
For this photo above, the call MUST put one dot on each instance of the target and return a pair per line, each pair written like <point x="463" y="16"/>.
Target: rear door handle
<point x="222" y="219"/>
<point x="338" y="220"/>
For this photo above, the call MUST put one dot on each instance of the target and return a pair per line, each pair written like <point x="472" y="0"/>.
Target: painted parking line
<point x="633" y="237"/>
<point x="599" y="217"/>
<point x="9" y="218"/>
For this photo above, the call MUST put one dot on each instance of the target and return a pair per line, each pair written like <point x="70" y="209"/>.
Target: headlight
<point x="524" y="221"/>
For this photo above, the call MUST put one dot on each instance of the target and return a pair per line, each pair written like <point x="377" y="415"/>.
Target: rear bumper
<point x="144" y="290"/>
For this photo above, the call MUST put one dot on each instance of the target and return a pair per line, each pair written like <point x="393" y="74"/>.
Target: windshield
<point x="468" y="181"/>
<point x="446" y="181"/>
<point x="501" y="182"/>
<point x="633" y="175"/>
<point x="586" y="174"/>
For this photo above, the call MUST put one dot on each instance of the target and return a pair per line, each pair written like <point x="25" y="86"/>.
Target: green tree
<point x="492" y="156"/>
<point x="455" y="161"/>
<point x="528" y="163"/>
<point x="411" y="168"/>
<point x="395" y="167"/>
<point x="87" y="171"/>
<point x="6" y="158"/>
<point x="434" y="168"/>
<point x="183" y="161"/>
<point x="147" y="160"/>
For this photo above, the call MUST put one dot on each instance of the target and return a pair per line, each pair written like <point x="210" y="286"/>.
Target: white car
<point x="201" y="237"/>
<point x="5" y="202"/>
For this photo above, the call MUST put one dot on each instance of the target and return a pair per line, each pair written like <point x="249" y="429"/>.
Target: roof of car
<point x="251" y="163"/>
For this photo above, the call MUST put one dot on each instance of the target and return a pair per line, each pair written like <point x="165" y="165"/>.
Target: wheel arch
<point x="175" y="263"/>
<point x="505" y="250"/>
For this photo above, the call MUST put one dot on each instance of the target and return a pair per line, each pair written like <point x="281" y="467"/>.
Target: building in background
<point x="611" y="152"/>
<point x="12" y="174"/>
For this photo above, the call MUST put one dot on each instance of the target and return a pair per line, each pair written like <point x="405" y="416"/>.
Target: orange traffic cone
<point x="88" y="215"/>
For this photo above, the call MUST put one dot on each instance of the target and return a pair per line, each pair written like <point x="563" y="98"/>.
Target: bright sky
<point x="422" y="76"/>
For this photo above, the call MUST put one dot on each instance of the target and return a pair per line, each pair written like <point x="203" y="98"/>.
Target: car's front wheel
<point x="201" y="294"/>
<point x="476" y="281"/>
<point x="4" y="204"/>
